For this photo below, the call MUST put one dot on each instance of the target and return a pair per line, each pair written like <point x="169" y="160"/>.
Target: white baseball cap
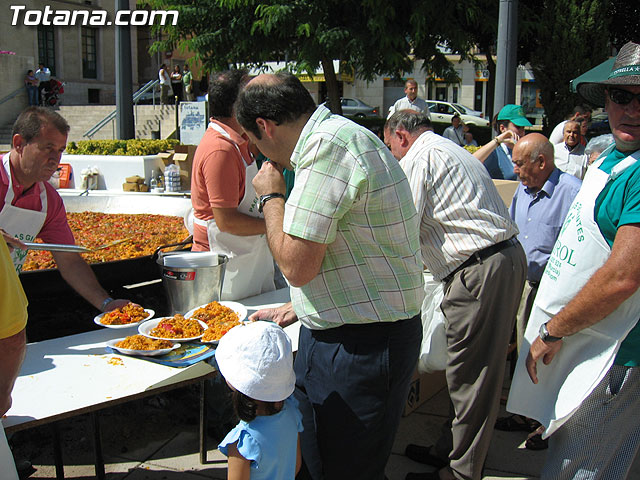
<point x="257" y="360"/>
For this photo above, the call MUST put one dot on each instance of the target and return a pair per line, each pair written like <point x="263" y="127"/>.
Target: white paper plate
<point x="240" y="309"/>
<point x="97" y="321"/>
<point x="144" y="353"/>
<point x="149" y="325"/>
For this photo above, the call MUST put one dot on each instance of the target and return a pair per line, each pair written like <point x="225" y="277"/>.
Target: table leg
<point x="203" y="422"/>
<point x="97" y="446"/>
<point x="57" y="451"/>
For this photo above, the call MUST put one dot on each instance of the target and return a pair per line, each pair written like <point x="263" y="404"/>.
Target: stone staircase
<point x="83" y="117"/>
<point x="147" y="118"/>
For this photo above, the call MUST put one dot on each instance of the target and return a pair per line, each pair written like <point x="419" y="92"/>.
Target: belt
<point x="480" y="255"/>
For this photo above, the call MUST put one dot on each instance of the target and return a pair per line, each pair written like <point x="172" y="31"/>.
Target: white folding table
<point x="69" y="376"/>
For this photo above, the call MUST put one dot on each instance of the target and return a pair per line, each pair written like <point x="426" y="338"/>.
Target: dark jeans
<point x="352" y="384"/>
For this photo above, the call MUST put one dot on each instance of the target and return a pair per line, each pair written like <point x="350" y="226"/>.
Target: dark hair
<point x="29" y="71"/>
<point x="30" y="122"/>
<point x="582" y="109"/>
<point x="283" y="100"/>
<point x="223" y="91"/>
<point x="504" y="123"/>
<point x="246" y="407"/>
<point x="410" y="120"/>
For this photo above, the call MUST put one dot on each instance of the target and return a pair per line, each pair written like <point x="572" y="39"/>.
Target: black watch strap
<point x="545" y="336"/>
<point x="265" y="198"/>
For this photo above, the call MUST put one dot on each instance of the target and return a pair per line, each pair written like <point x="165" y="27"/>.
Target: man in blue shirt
<point x="498" y="162"/>
<point x="539" y="206"/>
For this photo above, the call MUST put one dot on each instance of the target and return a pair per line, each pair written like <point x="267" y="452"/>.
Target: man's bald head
<point x="533" y="160"/>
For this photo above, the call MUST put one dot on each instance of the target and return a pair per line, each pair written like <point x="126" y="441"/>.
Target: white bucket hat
<point x="256" y="359"/>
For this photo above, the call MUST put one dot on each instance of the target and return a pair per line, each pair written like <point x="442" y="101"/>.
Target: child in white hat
<point x="257" y="362"/>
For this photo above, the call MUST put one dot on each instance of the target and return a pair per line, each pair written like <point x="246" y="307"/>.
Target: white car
<point x="442" y="112"/>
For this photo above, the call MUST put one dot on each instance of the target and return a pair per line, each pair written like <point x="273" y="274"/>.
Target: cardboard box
<point x="422" y="388"/>
<point x="135" y="179"/>
<point x="130" y="187"/>
<point x="506" y="189"/>
<point x="167" y="157"/>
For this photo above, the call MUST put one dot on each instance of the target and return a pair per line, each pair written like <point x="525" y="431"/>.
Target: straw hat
<point x="625" y="71"/>
<point x="257" y="360"/>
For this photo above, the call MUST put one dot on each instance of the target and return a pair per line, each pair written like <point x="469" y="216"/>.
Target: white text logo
<point x="96" y="18"/>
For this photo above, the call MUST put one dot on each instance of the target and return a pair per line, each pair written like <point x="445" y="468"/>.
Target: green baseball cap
<point x="515" y="115"/>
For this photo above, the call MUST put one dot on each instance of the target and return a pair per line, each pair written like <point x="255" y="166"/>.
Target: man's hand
<point x="540" y="349"/>
<point x="12" y="242"/>
<point x="117" y="303"/>
<point x="283" y="316"/>
<point x="509" y="137"/>
<point x="269" y="179"/>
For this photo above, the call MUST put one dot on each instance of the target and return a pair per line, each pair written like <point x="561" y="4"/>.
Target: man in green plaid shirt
<point x="347" y="242"/>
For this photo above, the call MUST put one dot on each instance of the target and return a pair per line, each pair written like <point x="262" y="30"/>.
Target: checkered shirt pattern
<point x="351" y="194"/>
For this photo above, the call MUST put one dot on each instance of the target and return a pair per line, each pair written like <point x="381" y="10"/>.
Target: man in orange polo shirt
<point x="226" y="217"/>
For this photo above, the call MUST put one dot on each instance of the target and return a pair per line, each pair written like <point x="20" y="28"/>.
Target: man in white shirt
<point x="411" y="101"/>
<point x="569" y="155"/>
<point x="455" y="131"/>
<point x="165" y="84"/>
<point x="467" y="240"/>
<point x="579" y="112"/>
<point x="43" y="74"/>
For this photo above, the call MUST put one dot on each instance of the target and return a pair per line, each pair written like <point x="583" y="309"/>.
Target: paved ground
<point x="156" y="439"/>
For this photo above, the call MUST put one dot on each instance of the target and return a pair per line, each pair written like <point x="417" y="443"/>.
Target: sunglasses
<point x="622" y="97"/>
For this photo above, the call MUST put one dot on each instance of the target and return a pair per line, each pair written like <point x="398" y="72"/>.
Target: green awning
<point x="596" y="74"/>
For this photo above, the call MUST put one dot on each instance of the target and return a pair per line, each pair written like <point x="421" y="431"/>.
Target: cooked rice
<point x="215" y="311"/>
<point x="130" y="313"/>
<point x="177" y="327"/>
<point x="140" y="342"/>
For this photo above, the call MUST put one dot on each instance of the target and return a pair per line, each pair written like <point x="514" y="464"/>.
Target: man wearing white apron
<point x="584" y="324"/>
<point x="30" y="207"/>
<point x="226" y="216"/>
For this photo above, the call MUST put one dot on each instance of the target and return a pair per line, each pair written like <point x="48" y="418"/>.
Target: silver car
<point x="442" y="112"/>
<point x="355" y="107"/>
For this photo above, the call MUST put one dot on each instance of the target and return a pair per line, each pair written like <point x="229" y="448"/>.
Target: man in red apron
<point x="582" y="345"/>
<point x="226" y="216"/>
<point x="32" y="208"/>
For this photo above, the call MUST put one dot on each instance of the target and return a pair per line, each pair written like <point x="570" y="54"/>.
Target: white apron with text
<point x="21" y="223"/>
<point x="250" y="268"/>
<point x="585" y="357"/>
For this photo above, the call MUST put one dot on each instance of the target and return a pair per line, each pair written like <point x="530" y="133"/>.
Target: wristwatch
<point x="265" y="198"/>
<point x="545" y="336"/>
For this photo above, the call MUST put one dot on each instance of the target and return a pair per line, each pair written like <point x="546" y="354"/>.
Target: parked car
<point x="355" y="107"/>
<point x="442" y="112"/>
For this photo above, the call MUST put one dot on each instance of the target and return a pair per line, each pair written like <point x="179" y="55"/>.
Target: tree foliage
<point x="570" y="38"/>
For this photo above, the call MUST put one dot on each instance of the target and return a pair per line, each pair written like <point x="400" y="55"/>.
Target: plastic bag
<point x="433" y="352"/>
<point x="90" y="178"/>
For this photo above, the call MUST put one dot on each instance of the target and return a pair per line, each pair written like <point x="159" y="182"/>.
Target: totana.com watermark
<point x="95" y="18"/>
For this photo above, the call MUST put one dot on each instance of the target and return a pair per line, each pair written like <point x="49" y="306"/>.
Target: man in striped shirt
<point x="467" y="240"/>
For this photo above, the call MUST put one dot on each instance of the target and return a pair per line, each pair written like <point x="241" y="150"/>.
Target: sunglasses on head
<point x="622" y="97"/>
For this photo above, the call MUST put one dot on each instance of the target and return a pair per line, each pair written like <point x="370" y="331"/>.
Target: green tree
<point x="571" y="37"/>
<point x="368" y="36"/>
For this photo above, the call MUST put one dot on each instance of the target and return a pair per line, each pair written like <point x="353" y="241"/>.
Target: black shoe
<point x="25" y="469"/>
<point x="421" y="454"/>
<point x="423" y="476"/>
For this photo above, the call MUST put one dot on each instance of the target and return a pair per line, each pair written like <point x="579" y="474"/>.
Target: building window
<point x="89" y="52"/>
<point x="47" y="48"/>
